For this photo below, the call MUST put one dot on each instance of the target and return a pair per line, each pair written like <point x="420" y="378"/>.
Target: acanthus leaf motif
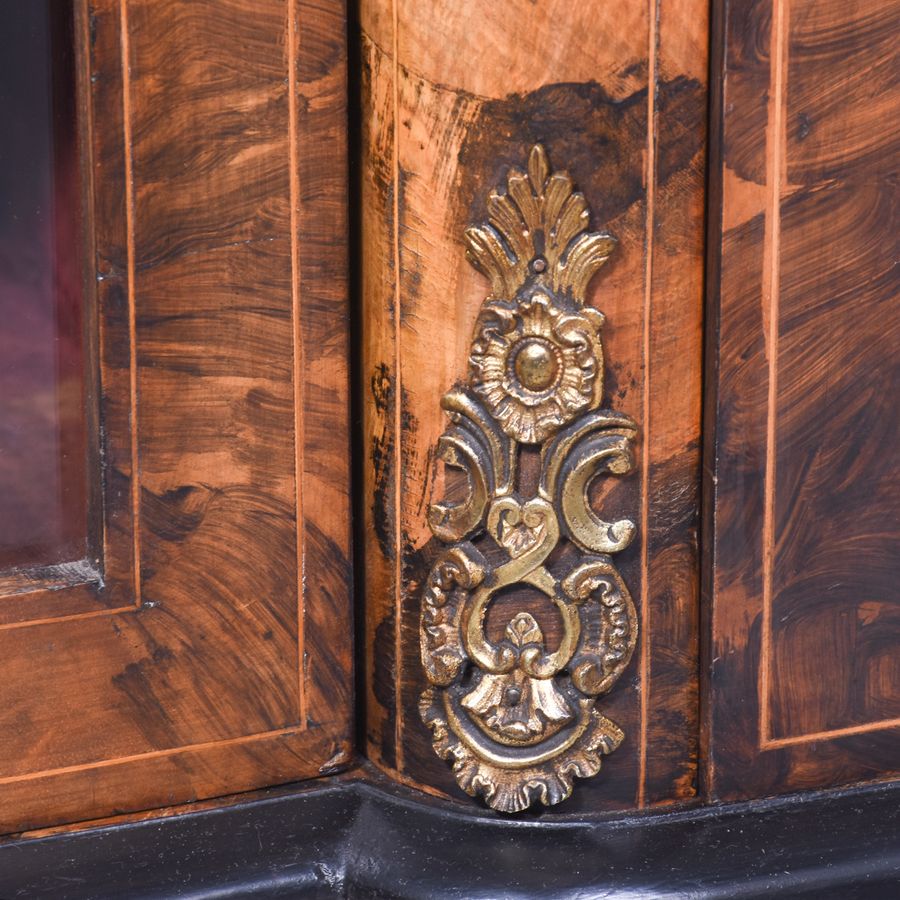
<point x="516" y="717"/>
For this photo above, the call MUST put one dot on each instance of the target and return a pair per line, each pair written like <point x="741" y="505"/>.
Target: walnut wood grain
<point x="803" y="424"/>
<point x="448" y="107"/>
<point x="220" y="201"/>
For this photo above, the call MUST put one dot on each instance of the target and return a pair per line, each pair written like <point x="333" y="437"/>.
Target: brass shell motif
<point x="518" y="720"/>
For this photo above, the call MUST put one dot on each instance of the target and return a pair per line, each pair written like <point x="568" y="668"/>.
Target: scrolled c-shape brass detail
<point x="517" y="716"/>
<point x="450" y="521"/>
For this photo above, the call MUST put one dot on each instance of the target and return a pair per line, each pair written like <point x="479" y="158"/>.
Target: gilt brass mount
<point x="518" y="720"/>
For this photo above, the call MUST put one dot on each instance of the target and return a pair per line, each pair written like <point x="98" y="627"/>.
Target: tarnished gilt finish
<point x="518" y="721"/>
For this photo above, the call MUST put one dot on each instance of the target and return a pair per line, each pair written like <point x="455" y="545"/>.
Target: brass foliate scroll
<point x="517" y="715"/>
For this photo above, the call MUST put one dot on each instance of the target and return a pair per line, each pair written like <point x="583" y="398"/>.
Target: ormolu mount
<point x="516" y="719"/>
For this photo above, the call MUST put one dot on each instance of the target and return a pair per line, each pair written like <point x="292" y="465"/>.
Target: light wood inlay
<point x="646" y="349"/>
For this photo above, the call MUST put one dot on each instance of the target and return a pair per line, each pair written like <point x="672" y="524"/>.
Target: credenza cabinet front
<point x="581" y="320"/>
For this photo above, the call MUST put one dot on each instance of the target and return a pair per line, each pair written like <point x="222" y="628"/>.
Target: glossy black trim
<point x="370" y="838"/>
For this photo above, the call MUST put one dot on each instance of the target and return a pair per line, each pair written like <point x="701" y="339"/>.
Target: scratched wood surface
<point x="803" y="420"/>
<point x="218" y="156"/>
<point x="454" y="93"/>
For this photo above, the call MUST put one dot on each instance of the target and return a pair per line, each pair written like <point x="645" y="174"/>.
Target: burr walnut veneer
<point x="733" y="167"/>
<point x="203" y="647"/>
<point x="801" y="434"/>
<point x="449" y="107"/>
<point x="798" y="685"/>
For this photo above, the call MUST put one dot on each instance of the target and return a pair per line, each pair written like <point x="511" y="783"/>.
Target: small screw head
<point x="512" y="696"/>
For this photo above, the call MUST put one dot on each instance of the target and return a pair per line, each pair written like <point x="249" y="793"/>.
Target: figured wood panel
<point x="805" y="676"/>
<point x="454" y="94"/>
<point x="230" y="666"/>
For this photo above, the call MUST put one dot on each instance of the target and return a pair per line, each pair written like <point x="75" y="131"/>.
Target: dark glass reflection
<point x="42" y="418"/>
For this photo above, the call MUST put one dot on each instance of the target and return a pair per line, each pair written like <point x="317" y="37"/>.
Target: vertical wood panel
<point x="805" y="674"/>
<point x="448" y="107"/>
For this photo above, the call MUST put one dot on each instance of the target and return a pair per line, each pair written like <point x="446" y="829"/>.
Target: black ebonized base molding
<point x="369" y="838"/>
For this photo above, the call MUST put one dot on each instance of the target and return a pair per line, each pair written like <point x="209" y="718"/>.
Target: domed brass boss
<point x="536" y="365"/>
